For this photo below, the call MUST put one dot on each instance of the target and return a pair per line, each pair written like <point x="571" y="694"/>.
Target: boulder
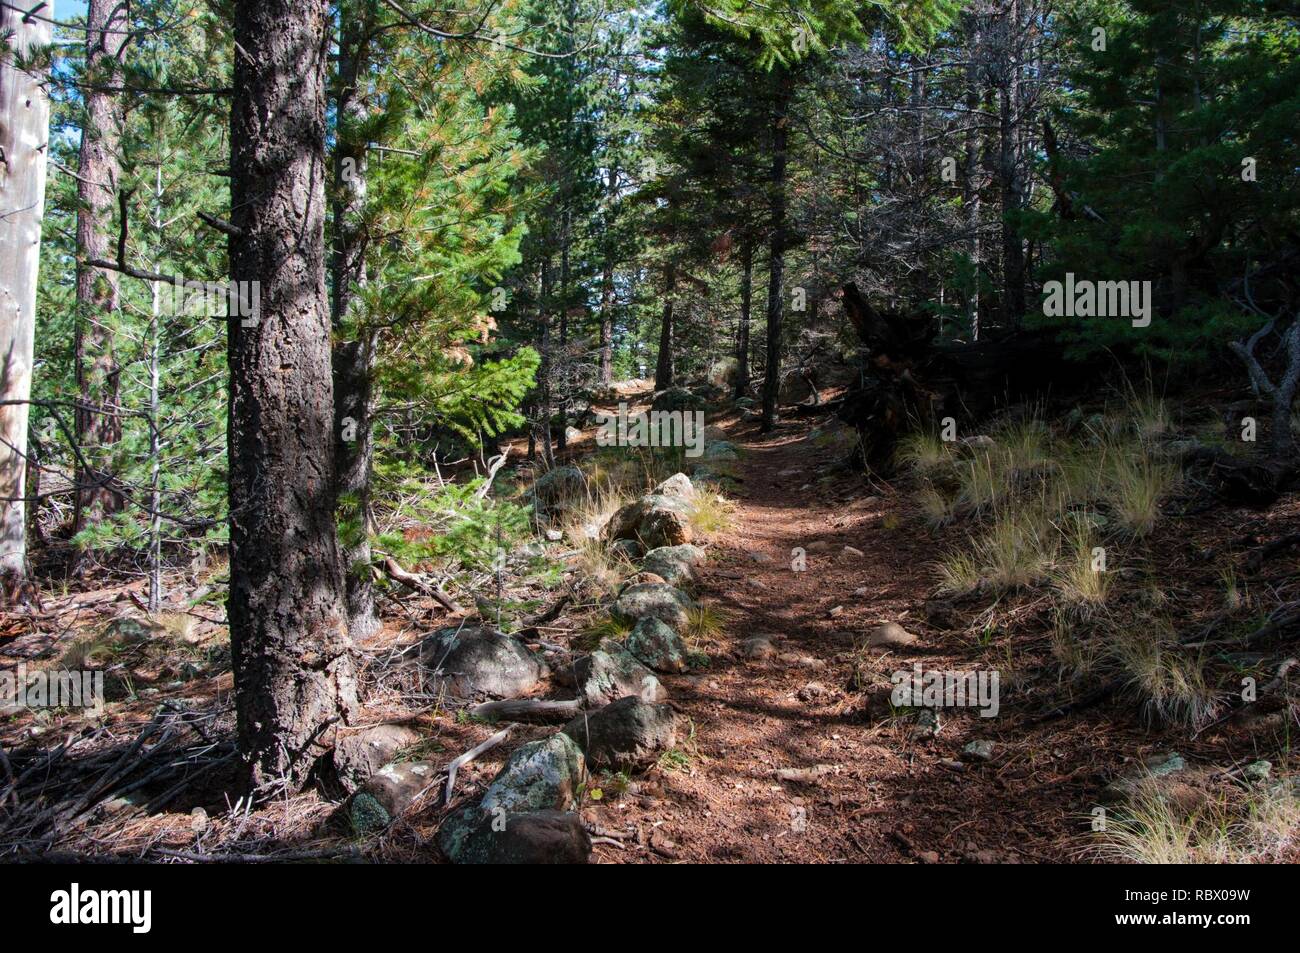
<point x="628" y="548"/>
<point x="540" y="775"/>
<point x="532" y="837"/>
<point x="720" y="450"/>
<point x="612" y="672"/>
<point x="359" y="754"/>
<point x="723" y="372"/>
<point x="625" y="735"/>
<point x="657" y="645"/>
<point x="676" y="564"/>
<point x="676" y="398"/>
<point x="757" y="647"/>
<point x="678" y="485"/>
<point x="555" y="488"/>
<point x="665" y="603"/>
<point x="387" y="793"/>
<point x="794" y="388"/>
<point x="472" y="663"/>
<point x="654" y="520"/>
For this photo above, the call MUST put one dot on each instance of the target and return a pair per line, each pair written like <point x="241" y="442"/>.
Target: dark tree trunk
<point x="776" y="267"/>
<point x="664" y="364"/>
<point x="294" y="670"/>
<point x="742" y="335"/>
<point x="544" y="381"/>
<point x="98" y="424"/>
<point x="607" y="289"/>
<point x="355" y="347"/>
<point x="1013" y="251"/>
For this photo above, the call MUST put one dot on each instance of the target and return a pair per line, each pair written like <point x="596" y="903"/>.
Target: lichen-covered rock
<point x="679" y="485"/>
<point x="387" y="793"/>
<point x="612" y="672"/>
<point x="653" y="520"/>
<point x="676" y="564"/>
<point x="676" y="398"/>
<point x="533" y="837"/>
<point x="657" y="645"/>
<point x="540" y="775"/>
<point x="720" y="450"/>
<point x="359" y="754"/>
<point x="665" y="603"/>
<point x="625" y="735"/>
<point x="472" y="663"/>
<point x="555" y="488"/>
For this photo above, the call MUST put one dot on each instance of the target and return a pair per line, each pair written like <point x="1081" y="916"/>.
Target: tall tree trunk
<point x="544" y="383"/>
<point x="664" y="363"/>
<point x="776" y="266"/>
<point x="562" y="438"/>
<point x="355" y="347"/>
<point x="974" y="148"/>
<point x="24" y="135"/>
<point x="742" y="335"/>
<point x="607" y="286"/>
<point x="1013" y="251"/>
<point x="295" y="678"/>
<point x="98" y="424"/>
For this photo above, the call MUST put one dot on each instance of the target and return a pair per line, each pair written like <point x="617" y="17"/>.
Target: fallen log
<point x="527" y="709"/>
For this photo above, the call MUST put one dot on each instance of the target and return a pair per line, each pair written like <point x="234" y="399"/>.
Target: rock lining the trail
<point x="478" y="662"/>
<point x="626" y="735"/>
<point x="656" y="644"/>
<point x="665" y="603"/>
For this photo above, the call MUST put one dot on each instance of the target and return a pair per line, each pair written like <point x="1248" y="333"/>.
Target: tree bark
<point x="742" y="335"/>
<point x="664" y="363"/>
<point x="776" y="267"/>
<point x="24" y="135"/>
<point x="98" y="169"/>
<point x="294" y="671"/>
<point x="355" y="347"/>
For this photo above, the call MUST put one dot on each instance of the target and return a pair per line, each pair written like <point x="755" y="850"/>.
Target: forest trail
<point x="881" y="795"/>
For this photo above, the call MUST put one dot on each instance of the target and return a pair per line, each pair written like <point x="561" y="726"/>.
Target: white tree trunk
<point x="24" y="134"/>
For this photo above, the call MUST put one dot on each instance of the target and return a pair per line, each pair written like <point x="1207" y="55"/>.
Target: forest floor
<point x="873" y="791"/>
<point x="878" y="795"/>
<point x="783" y="758"/>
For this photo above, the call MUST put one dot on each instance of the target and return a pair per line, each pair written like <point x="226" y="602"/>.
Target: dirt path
<point x="885" y="796"/>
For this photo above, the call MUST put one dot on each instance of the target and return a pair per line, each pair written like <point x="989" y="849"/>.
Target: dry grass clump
<point x="1259" y="827"/>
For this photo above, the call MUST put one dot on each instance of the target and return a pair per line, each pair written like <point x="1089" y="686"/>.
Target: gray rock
<point x="555" y="488"/>
<point x="654" y="520"/>
<point x="359" y="754"/>
<point x="657" y="645"/>
<point x="540" y="775"/>
<point x="758" y="647"/>
<point x="979" y="750"/>
<point x="625" y="735"/>
<point x="533" y="837"/>
<point x="720" y="450"/>
<point x="1155" y="767"/>
<point x="679" y="485"/>
<point x="612" y="672"/>
<point x="479" y="662"/>
<point x="676" y="564"/>
<point x="1257" y="771"/>
<point x="665" y="603"/>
